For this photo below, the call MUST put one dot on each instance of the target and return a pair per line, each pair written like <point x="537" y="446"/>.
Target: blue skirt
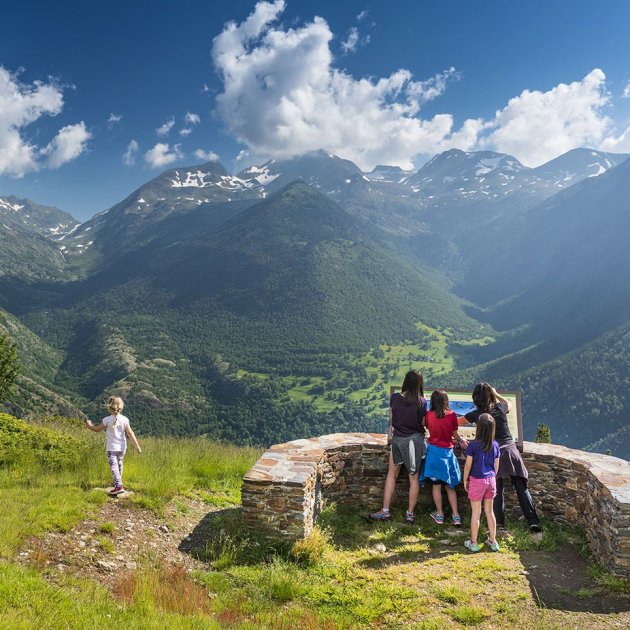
<point x="441" y="465"/>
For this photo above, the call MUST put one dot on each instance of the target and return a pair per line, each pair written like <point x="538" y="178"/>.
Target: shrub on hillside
<point x="21" y="442"/>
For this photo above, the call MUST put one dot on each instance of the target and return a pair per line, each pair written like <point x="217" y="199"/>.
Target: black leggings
<point x="524" y="499"/>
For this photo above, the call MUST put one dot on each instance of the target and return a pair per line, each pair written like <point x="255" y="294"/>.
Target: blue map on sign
<point x="460" y="407"/>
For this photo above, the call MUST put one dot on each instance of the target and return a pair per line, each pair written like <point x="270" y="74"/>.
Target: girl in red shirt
<point x="441" y="466"/>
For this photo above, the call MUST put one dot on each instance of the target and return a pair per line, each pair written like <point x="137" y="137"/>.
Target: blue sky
<point x="379" y="82"/>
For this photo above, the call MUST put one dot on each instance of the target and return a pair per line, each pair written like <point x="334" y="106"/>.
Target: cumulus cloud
<point x="22" y="105"/>
<point x="68" y="144"/>
<point x="186" y="131"/>
<point x="162" y="155"/>
<point x="626" y="91"/>
<point x="114" y="118"/>
<point x="282" y="96"/>
<point x="129" y="156"/>
<point x="362" y="15"/>
<point x="538" y="126"/>
<point x="206" y="156"/>
<point x="617" y="144"/>
<point x="165" y="128"/>
<point x="191" y="119"/>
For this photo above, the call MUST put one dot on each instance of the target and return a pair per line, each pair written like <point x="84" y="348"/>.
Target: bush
<point x="312" y="549"/>
<point x="21" y="442"/>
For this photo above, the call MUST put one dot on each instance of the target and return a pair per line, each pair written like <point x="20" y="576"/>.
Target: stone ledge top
<point x="294" y="463"/>
<point x="612" y="472"/>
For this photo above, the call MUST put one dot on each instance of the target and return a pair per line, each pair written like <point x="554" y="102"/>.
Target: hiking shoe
<point x="410" y="518"/>
<point x="471" y="546"/>
<point x="381" y="515"/>
<point x="535" y="527"/>
<point x="457" y="520"/>
<point x="494" y="546"/>
<point x="117" y="490"/>
<point x="438" y="518"/>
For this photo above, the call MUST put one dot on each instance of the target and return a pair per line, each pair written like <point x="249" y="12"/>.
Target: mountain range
<point x="226" y="304"/>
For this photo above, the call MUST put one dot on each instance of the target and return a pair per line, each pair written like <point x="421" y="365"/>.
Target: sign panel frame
<point x="515" y="417"/>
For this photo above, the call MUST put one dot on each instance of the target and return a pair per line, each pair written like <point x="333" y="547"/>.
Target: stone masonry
<point x="286" y="489"/>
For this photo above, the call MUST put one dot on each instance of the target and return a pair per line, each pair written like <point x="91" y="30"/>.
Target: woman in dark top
<point x="406" y="415"/>
<point x="488" y="400"/>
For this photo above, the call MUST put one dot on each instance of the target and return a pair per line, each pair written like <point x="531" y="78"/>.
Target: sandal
<point x="438" y="518"/>
<point x="457" y="520"/>
<point x="410" y="518"/>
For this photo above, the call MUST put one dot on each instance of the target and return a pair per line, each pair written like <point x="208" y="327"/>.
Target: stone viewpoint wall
<point x="286" y="489"/>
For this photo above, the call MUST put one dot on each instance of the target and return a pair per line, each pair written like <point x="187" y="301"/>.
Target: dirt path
<point x="120" y="537"/>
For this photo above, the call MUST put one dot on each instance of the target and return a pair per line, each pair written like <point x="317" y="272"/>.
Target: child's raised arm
<point x="132" y="437"/>
<point x="501" y="399"/>
<point x="97" y="428"/>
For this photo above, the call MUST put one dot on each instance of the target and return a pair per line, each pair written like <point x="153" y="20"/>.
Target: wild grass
<point x="346" y="574"/>
<point x="55" y="491"/>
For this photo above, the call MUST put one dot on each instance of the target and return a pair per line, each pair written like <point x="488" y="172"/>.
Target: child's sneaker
<point x="438" y="518"/>
<point x="381" y="515"/>
<point x="117" y="490"/>
<point x="494" y="546"/>
<point x="410" y="518"/>
<point x="471" y="546"/>
<point x="457" y="520"/>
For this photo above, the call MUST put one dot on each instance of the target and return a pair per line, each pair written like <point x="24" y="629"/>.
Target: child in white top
<point x="117" y="428"/>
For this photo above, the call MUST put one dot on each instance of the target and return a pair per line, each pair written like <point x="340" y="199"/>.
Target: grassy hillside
<point x="192" y="565"/>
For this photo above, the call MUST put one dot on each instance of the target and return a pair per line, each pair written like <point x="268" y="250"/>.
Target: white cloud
<point x="282" y="96"/>
<point x="162" y="154"/>
<point x="538" y="126"/>
<point x="619" y="144"/>
<point x="205" y="88"/>
<point x="191" y="119"/>
<point x="129" y="156"/>
<point x="626" y="91"/>
<point x="352" y="41"/>
<point x="185" y="132"/>
<point x="114" y="118"/>
<point x="22" y="105"/>
<point x="68" y="144"/>
<point x="165" y="128"/>
<point x="362" y="15"/>
<point x="206" y="156"/>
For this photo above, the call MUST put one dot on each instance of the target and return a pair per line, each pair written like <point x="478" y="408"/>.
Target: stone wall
<point x="286" y="489"/>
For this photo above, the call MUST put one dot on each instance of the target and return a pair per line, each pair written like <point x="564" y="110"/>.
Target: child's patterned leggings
<point x="115" y="459"/>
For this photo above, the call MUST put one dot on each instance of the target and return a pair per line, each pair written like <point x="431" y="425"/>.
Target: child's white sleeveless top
<point x="115" y="432"/>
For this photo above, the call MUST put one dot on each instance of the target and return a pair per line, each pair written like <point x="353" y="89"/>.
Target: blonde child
<point x="480" y="472"/>
<point x="117" y="428"/>
<point x="441" y="466"/>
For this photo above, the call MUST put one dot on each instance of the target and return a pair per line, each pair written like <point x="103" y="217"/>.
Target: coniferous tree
<point x="9" y="368"/>
<point x="543" y="434"/>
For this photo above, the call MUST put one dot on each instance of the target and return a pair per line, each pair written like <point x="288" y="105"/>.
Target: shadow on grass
<point x="563" y="580"/>
<point x="194" y="544"/>
<point x="390" y="542"/>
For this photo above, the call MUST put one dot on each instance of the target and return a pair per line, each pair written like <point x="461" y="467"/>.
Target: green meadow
<point x="347" y="574"/>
